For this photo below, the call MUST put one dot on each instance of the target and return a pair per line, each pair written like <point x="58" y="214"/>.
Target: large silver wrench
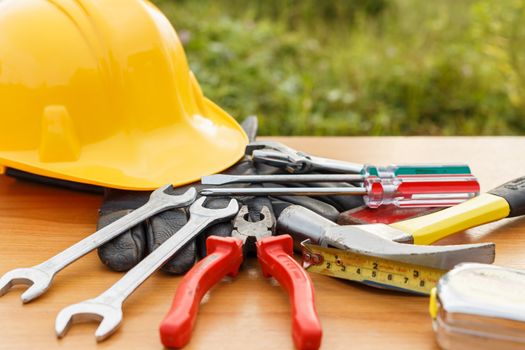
<point x="40" y="277"/>
<point x="107" y="307"/>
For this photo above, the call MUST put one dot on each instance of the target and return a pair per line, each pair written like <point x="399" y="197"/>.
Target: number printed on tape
<point x="375" y="271"/>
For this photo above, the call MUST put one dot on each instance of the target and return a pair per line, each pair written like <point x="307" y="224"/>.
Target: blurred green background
<point x="368" y="67"/>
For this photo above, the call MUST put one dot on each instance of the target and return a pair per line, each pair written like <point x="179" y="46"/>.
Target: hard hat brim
<point x="146" y="160"/>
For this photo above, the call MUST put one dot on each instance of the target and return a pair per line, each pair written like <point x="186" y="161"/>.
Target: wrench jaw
<point x="198" y="209"/>
<point x="183" y="200"/>
<point x="37" y="280"/>
<point x="110" y="317"/>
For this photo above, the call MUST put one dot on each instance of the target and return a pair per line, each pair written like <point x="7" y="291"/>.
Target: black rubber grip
<point x="514" y="193"/>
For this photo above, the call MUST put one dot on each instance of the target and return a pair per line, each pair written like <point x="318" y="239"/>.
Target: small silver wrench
<point x="40" y="277"/>
<point x="107" y="307"/>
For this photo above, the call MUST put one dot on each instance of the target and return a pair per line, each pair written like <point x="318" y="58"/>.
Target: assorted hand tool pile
<point x="394" y="256"/>
<point x="124" y="115"/>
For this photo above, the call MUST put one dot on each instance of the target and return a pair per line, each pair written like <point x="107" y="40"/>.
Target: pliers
<point x="281" y="156"/>
<point x="225" y="256"/>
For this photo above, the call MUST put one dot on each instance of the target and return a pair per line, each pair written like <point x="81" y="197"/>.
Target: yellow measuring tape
<point x="371" y="270"/>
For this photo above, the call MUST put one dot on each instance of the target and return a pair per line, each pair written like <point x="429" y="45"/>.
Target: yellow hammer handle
<point x="476" y="211"/>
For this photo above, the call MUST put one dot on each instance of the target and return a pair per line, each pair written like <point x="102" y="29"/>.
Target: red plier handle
<point x="224" y="258"/>
<point x="276" y="257"/>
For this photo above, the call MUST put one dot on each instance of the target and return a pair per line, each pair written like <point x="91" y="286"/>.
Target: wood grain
<point x="250" y="312"/>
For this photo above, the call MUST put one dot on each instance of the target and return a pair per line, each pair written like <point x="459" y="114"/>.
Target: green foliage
<point x="370" y="67"/>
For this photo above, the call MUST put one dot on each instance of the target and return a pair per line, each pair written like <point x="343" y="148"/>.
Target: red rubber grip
<point x="224" y="258"/>
<point x="276" y="258"/>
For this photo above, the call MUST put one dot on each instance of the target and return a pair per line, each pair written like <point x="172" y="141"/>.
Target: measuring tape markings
<point x="375" y="271"/>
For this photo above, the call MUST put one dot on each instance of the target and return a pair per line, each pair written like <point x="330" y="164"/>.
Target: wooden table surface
<point x="249" y="312"/>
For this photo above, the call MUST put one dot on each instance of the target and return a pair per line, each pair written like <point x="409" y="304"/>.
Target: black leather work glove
<point x="125" y="251"/>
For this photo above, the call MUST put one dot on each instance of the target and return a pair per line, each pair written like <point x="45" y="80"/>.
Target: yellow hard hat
<point x="100" y="92"/>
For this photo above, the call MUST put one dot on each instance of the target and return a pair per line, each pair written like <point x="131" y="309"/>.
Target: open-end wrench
<point x="40" y="277"/>
<point x="108" y="305"/>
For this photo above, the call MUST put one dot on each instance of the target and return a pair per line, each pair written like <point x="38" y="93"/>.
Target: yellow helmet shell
<point x="100" y="92"/>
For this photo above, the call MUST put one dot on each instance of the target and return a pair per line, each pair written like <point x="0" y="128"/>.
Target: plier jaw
<point x="250" y="232"/>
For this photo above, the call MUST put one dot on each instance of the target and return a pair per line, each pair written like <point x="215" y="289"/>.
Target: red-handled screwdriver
<point x="401" y="191"/>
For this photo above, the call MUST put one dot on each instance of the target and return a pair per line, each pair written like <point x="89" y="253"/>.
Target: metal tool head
<point x="163" y="194"/>
<point x="37" y="280"/>
<point x="293" y="163"/>
<point x="270" y="145"/>
<point x="302" y="223"/>
<point x="252" y="231"/>
<point x="354" y="238"/>
<point x="378" y="240"/>
<point x="279" y="155"/>
<point x="90" y="310"/>
<point x="198" y="209"/>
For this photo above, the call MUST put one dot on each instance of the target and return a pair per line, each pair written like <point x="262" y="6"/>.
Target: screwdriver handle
<point x="430" y="228"/>
<point x="276" y="258"/>
<point x="501" y="202"/>
<point x="514" y="193"/>
<point x="394" y="170"/>
<point x="224" y="258"/>
<point x="420" y="190"/>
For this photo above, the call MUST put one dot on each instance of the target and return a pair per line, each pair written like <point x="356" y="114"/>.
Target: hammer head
<point x="378" y="240"/>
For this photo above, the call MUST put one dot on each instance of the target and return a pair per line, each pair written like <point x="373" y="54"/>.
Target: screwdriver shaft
<point x="283" y="191"/>
<point x="223" y="179"/>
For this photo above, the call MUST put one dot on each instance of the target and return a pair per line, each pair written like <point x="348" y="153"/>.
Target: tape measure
<point x="370" y="270"/>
